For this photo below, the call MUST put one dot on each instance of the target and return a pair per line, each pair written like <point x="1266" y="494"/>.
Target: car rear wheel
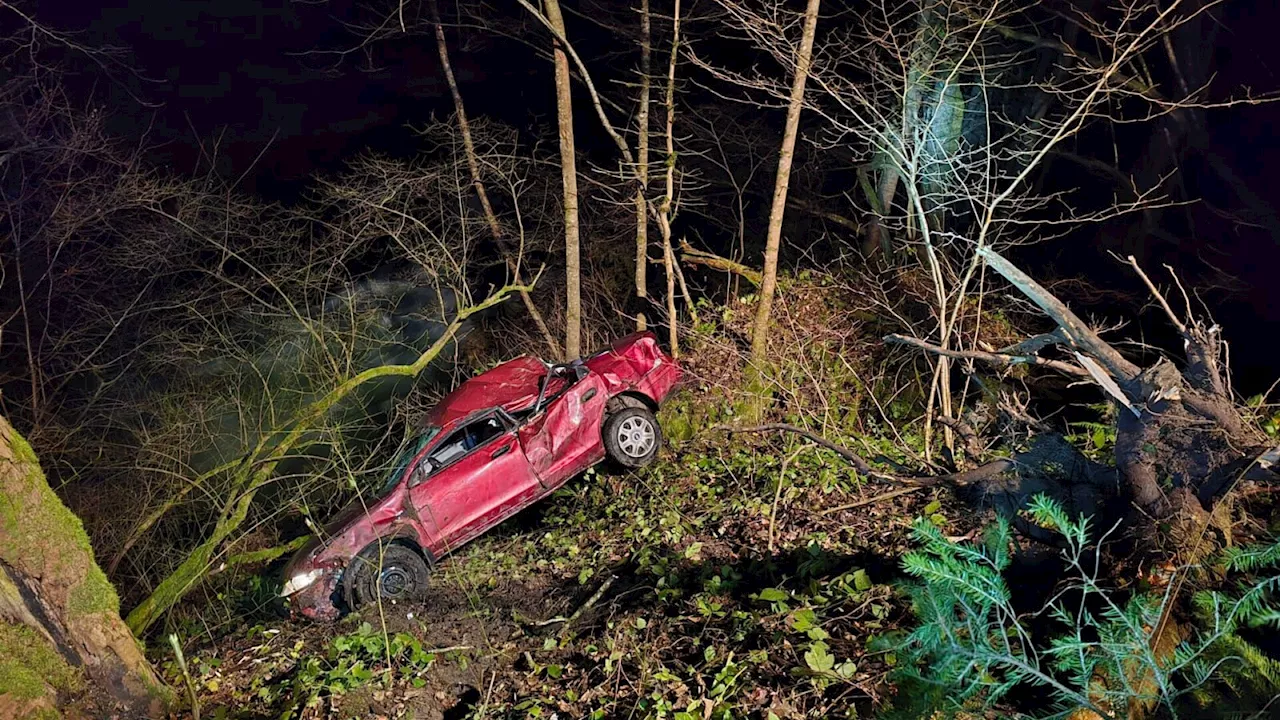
<point x="632" y="437"/>
<point x="390" y="573"/>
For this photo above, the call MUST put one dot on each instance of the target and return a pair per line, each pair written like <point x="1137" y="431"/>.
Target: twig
<point x="960" y="479"/>
<point x="878" y="498"/>
<point x="862" y="466"/>
<point x="1159" y="297"/>
<point x="995" y="358"/>
<point x="595" y="597"/>
<point x="777" y="493"/>
<point x="451" y="648"/>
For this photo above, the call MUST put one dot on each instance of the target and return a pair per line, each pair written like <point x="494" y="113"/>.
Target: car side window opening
<point x="558" y="380"/>
<point x="459" y="443"/>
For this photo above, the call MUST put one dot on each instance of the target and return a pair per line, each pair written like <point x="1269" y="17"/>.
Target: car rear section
<point x="636" y="364"/>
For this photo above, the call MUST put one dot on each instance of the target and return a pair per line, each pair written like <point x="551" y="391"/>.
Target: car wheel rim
<point x="394" y="582"/>
<point x="636" y="437"/>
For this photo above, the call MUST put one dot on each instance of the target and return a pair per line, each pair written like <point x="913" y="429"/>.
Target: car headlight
<point x="300" y="582"/>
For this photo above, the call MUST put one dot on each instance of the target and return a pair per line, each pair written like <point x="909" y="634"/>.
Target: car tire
<point x="391" y="573"/>
<point x="632" y="437"/>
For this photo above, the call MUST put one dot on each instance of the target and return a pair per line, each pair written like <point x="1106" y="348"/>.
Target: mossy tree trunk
<point x="60" y="626"/>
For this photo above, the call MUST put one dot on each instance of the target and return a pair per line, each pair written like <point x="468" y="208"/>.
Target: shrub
<point x="972" y="650"/>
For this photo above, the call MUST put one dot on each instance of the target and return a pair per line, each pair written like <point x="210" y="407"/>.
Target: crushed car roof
<point x="513" y="386"/>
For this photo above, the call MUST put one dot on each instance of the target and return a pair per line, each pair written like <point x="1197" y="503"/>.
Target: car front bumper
<point x="318" y="600"/>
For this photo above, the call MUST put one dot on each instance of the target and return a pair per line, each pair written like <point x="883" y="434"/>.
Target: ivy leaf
<point x="861" y="581"/>
<point x="802" y="620"/>
<point x="772" y="595"/>
<point x="818" y="659"/>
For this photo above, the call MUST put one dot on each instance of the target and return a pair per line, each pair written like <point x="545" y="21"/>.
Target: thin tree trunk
<point x="769" y="283"/>
<point x="569" y="174"/>
<point x="669" y="191"/>
<point x="473" y="165"/>
<point x="642" y="171"/>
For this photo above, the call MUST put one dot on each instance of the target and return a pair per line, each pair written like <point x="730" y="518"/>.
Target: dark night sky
<point x="250" y="72"/>
<point x="242" y="67"/>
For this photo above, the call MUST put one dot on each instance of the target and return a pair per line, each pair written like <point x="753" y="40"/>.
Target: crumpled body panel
<point x="528" y="452"/>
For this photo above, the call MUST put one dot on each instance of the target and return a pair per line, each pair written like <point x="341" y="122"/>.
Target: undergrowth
<point x="732" y="580"/>
<point x="1105" y="651"/>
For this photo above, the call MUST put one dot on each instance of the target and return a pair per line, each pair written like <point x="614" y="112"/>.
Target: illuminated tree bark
<point x="642" y="169"/>
<point x="773" y="241"/>
<point x="60" y="626"/>
<point x="473" y="165"/>
<point x="569" y="174"/>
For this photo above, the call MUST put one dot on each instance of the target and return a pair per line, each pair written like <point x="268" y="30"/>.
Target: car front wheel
<point x="390" y="574"/>
<point x="632" y="437"/>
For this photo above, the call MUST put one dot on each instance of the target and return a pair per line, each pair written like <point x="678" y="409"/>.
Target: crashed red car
<point x="494" y="446"/>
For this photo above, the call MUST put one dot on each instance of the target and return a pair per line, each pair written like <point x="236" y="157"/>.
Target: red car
<point x="494" y="446"/>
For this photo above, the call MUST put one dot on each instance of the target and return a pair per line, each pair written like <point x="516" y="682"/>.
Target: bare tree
<point x="773" y="241"/>
<point x="951" y="117"/>
<point x="630" y="170"/>
<point x="473" y="164"/>
<point x="642" y="166"/>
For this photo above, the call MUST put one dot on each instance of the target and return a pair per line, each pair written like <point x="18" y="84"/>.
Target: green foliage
<point x="353" y="661"/>
<point x="1096" y="439"/>
<point x="971" y="648"/>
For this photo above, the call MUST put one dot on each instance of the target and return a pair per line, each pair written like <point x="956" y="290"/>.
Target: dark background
<point x="264" y="82"/>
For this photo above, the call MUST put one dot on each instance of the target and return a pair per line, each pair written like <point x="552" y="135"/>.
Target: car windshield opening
<point x="402" y="462"/>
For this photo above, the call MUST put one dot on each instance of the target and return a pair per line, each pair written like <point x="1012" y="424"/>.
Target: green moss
<point x="41" y="532"/>
<point x="29" y="666"/>
<point x="93" y="595"/>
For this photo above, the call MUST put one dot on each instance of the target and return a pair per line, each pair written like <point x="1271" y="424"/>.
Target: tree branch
<point x="995" y="358"/>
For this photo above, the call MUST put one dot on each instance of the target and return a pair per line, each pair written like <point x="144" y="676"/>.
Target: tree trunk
<point x="769" y="283"/>
<point x="60" y="626"/>
<point x="569" y="174"/>
<point x="642" y="171"/>
<point x="666" y="207"/>
<point x="473" y="165"/>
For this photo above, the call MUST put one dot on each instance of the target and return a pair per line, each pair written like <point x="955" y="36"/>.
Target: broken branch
<point x="995" y="358"/>
<point x="959" y="479"/>
<point x="1078" y="333"/>
<point x="693" y="256"/>
<point x="862" y="466"/>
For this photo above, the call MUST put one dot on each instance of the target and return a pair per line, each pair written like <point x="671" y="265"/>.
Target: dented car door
<point x="564" y="439"/>
<point x="470" y="481"/>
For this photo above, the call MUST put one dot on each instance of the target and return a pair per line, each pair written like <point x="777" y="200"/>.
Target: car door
<point x="470" y="481"/>
<point x="564" y="439"/>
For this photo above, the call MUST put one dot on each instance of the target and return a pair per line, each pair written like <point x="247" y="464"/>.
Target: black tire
<point x="632" y="437"/>
<point x="391" y="573"/>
